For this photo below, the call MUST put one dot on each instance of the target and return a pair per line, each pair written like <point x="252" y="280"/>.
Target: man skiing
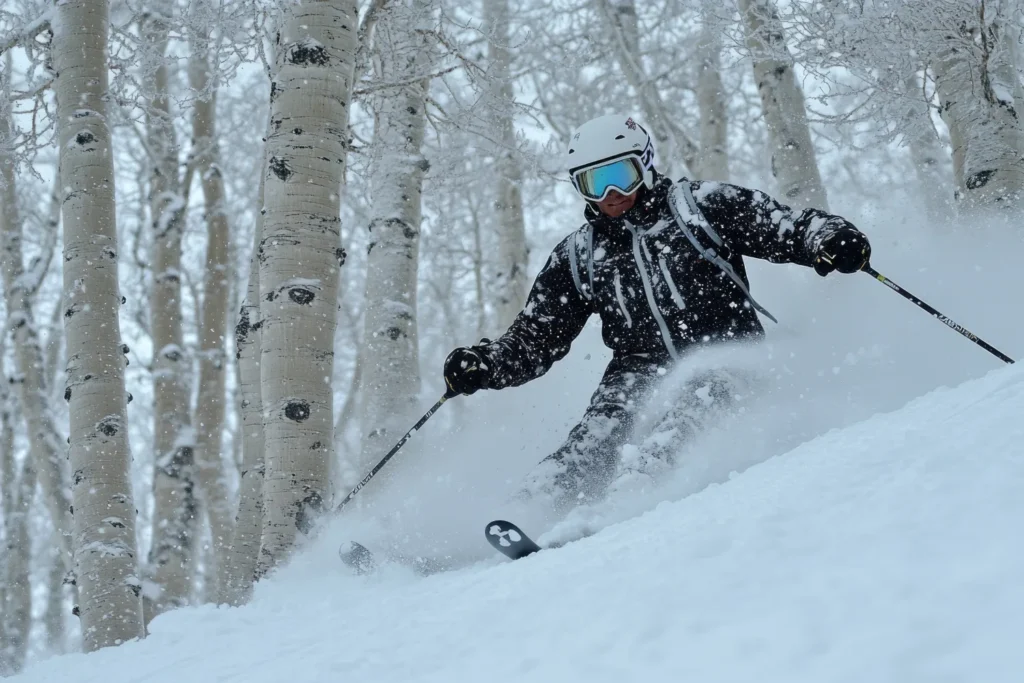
<point x="661" y="263"/>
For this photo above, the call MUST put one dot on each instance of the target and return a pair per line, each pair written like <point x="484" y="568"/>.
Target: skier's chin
<point x="617" y="208"/>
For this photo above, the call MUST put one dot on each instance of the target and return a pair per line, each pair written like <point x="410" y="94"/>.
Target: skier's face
<point x="616" y="204"/>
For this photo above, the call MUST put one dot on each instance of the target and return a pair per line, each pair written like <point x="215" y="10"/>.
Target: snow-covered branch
<point x="28" y="32"/>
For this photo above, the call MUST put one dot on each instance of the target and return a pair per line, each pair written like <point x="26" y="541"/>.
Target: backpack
<point x="709" y="245"/>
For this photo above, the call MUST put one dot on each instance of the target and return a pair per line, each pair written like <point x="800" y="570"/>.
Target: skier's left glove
<point x="466" y="371"/>
<point x="846" y="250"/>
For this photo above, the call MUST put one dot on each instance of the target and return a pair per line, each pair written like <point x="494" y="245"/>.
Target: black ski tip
<point x="509" y="540"/>
<point x="357" y="557"/>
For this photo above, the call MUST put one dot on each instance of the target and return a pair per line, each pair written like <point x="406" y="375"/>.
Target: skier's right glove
<point x="846" y="250"/>
<point x="466" y="371"/>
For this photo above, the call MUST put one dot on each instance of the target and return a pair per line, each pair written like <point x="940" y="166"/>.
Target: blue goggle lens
<point x="623" y="175"/>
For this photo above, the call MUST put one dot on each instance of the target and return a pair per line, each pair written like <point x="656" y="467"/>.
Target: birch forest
<point x="238" y="238"/>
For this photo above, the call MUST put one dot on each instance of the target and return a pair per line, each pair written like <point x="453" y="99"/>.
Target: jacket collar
<point x="644" y="212"/>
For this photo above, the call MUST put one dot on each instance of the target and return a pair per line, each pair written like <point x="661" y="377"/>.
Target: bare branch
<point x="34" y="93"/>
<point x="403" y="82"/>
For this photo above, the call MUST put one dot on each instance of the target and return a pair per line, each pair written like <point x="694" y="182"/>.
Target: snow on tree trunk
<point x="214" y="489"/>
<point x="673" y="146"/>
<point x="240" y="561"/>
<point x="101" y="491"/>
<point x="981" y="95"/>
<point x="31" y="383"/>
<point x="794" y="164"/>
<point x="391" y="373"/>
<point x="713" y="160"/>
<point x="929" y="156"/>
<point x="168" y="571"/>
<point x="510" y="277"/>
<point x="300" y="259"/>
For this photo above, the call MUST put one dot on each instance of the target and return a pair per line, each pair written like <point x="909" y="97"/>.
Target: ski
<point x="509" y="540"/>
<point x="505" y="537"/>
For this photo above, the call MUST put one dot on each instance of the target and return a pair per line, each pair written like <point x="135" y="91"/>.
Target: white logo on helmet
<point x="647" y="157"/>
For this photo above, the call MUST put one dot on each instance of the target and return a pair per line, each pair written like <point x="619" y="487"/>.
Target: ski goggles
<point x="594" y="183"/>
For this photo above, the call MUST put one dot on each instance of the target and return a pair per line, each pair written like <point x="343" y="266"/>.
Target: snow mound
<point x="885" y="551"/>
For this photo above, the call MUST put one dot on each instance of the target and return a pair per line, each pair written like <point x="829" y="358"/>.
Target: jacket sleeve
<point x="755" y="225"/>
<point x="554" y="315"/>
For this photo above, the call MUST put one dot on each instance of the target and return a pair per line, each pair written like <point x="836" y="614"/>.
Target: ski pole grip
<point x="449" y="393"/>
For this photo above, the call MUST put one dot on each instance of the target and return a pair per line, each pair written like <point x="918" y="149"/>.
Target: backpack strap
<point x="587" y="292"/>
<point x="713" y="248"/>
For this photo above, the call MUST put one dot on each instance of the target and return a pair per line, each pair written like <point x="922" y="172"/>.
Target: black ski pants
<point x="589" y="460"/>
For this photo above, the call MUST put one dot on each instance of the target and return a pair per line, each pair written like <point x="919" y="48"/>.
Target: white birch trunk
<point x="14" y="605"/>
<point x="55" y="327"/>
<point x="510" y="278"/>
<point x="240" y="562"/>
<point x="6" y="497"/>
<point x="957" y="140"/>
<point x="54" y="617"/>
<point x="348" y="474"/>
<point x="16" y="609"/>
<point x="7" y="487"/>
<point x="928" y="155"/>
<point x="981" y="96"/>
<point x="674" y="147"/>
<point x="794" y="163"/>
<point x="211" y="475"/>
<point x="31" y="383"/>
<point x="104" y="509"/>
<point x="168" y="571"/>
<point x="300" y="259"/>
<point x="390" y="373"/>
<point x="478" y="277"/>
<point x="713" y="161"/>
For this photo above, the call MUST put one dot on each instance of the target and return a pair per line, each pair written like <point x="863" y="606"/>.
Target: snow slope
<point x="888" y="550"/>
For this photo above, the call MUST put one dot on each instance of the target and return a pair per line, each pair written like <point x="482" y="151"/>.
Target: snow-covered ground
<point x="842" y="529"/>
<point x="888" y="550"/>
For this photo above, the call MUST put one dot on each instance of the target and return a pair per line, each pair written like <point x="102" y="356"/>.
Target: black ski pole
<point x="384" y="461"/>
<point x="949" y="322"/>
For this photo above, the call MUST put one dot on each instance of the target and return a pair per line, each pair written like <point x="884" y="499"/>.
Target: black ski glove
<point x="846" y="250"/>
<point x="466" y="371"/>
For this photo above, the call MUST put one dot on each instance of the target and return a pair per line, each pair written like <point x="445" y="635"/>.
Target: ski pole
<point x="949" y="322"/>
<point x="384" y="461"/>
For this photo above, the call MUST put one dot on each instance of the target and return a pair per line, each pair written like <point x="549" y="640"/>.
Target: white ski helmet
<point x="596" y="149"/>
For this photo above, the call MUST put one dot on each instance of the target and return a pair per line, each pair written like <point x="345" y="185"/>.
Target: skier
<point x="661" y="263"/>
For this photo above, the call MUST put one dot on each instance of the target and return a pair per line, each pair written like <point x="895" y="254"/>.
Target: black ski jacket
<point x="647" y="279"/>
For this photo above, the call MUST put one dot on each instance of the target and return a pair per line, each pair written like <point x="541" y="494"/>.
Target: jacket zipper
<point x="677" y="298"/>
<point x="622" y="300"/>
<point x="645" y="277"/>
